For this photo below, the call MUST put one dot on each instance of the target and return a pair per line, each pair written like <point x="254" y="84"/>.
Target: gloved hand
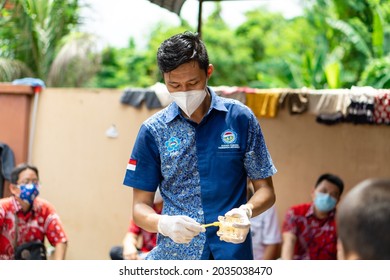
<point x="181" y="229"/>
<point x="243" y="213"/>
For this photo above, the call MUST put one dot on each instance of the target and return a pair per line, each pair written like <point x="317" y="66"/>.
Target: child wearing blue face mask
<point x="25" y="217"/>
<point x="309" y="229"/>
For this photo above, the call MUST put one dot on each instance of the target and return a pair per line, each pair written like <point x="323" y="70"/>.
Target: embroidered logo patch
<point x="173" y="144"/>
<point x="229" y="137"/>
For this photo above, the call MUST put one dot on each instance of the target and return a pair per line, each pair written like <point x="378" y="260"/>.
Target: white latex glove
<point x="244" y="213"/>
<point x="181" y="229"/>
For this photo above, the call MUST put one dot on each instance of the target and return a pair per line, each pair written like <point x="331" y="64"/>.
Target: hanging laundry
<point x="136" y="96"/>
<point x="263" y="104"/>
<point x="361" y="109"/>
<point x="162" y="93"/>
<point x="382" y="108"/>
<point x="297" y="103"/>
<point x="332" y="107"/>
<point x="231" y="92"/>
<point x="314" y="99"/>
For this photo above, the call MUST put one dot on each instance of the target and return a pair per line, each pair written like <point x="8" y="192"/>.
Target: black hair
<point x="19" y="169"/>
<point x="182" y="48"/>
<point x="333" y="179"/>
<point x="363" y="220"/>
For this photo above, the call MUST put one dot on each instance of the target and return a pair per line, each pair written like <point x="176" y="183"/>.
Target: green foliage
<point x="131" y="67"/>
<point x="33" y="33"/>
<point x="376" y="74"/>
<point x="328" y="47"/>
<point x="231" y="57"/>
<point x="334" y="44"/>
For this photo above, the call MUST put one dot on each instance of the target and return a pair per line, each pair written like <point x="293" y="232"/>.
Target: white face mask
<point x="189" y="101"/>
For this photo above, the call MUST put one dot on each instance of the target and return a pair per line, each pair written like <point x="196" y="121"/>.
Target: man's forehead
<point x="183" y="75"/>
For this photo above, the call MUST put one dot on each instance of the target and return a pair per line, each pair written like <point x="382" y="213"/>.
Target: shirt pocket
<point x="229" y="164"/>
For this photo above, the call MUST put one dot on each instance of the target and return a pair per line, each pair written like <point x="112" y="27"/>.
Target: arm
<point x="60" y="251"/>
<point x="272" y="251"/>
<point x="288" y="245"/>
<point x="130" y="251"/>
<point x="263" y="197"/>
<point x="180" y="228"/>
<point x="54" y="232"/>
<point x="143" y="212"/>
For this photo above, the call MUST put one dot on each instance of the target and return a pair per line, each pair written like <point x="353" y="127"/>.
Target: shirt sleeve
<point x="258" y="161"/>
<point x="289" y="223"/>
<point x="54" y="229"/>
<point x="144" y="172"/>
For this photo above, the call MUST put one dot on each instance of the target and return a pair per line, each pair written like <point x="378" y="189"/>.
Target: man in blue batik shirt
<point x="199" y="151"/>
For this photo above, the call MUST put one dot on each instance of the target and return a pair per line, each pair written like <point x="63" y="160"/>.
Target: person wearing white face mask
<point x="199" y="151"/>
<point x="309" y="229"/>
<point x="189" y="101"/>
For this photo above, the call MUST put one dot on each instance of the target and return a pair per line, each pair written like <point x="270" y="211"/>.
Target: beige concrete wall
<point x="82" y="170"/>
<point x="303" y="149"/>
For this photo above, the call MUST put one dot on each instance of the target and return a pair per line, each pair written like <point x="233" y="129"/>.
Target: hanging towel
<point x="314" y="99"/>
<point x="236" y="93"/>
<point x="297" y="103"/>
<point x="332" y="108"/>
<point x="151" y="100"/>
<point x="136" y="96"/>
<point x="162" y="94"/>
<point x="263" y="104"/>
<point x="133" y="97"/>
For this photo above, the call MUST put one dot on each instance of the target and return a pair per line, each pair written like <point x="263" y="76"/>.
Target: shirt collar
<point x="173" y="110"/>
<point x="310" y="212"/>
<point x="18" y="206"/>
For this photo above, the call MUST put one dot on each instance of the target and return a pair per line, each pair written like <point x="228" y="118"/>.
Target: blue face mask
<point x="324" y="202"/>
<point x="29" y="192"/>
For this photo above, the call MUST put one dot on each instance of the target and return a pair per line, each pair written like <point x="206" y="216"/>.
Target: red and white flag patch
<point x="132" y="164"/>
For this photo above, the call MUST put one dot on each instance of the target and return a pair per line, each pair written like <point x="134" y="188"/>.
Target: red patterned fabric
<point x="316" y="238"/>
<point x="382" y="109"/>
<point x="149" y="239"/>
<point x="42" y="221"/>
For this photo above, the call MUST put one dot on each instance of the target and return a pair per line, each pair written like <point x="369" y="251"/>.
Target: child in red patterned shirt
<point x="137" y="241"/>
<point x="25" y="217"/>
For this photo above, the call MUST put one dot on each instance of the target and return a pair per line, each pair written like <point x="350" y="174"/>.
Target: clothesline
<point x="353" y="90"/>
<point x="358" y="105"/>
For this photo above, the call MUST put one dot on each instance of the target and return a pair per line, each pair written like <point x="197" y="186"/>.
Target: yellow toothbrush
<point x="215" y="224"/>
